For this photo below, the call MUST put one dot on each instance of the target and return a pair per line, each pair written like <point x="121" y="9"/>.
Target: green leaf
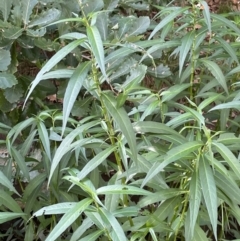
<point x="156" y="128"/>
<point x="122" y="189"/>
<point x="7" y="216"/>
<point x="5" y="182"/>
<point x="45" y="18"/>
<point x="95" y="162"/>
<point x="74" y="86"/>
<point x="7" y="80"/>
<point x="209" y="192"/>
<point x="85" y="225"/>
<point x="228" y="186"/>
<point x="117" y="233"/>
<point x="170" y="17"/>
<point x="158" y="196"/>
<point x="232" y="104"/>
<point x="228" y="156"/>
<point x="13" y="95"/>
<point x="43" y="135"/>
<point x="27" y="7"/>
<point x="226" y="22"/>
<point x="68" y="218"/>
<point x="52" y="62"/>
<point x="13" y="33"/>
<point x="59" y="208"/>
<point x="95" y="41"/>
<point x="93" y="236"/>
<point x="206" y="14"/>
<point x="65" y="145"/>
<point x="228" y="48"/>
<point x="199" y="234"/>
<point x="102" y="25"/>
<point x="9" y="202"/>
<point x="186" y="45"/>
<point x="5" y="60"/>
<point x="172" y="155"/>
<point x="5" y="8"/>
<point x="139" y="26"/>
<point x="121" y="118"/>
<point x="35" y="183"/>
<point x="195" y="196"/>
<point x="171" y="92"/>
<point x="20" y="162"/>
<point x="198" y="116"/>
<point x="216" y="72"/>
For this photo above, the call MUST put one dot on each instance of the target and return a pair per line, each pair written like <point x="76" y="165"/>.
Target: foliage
<point x="144" y="141"/>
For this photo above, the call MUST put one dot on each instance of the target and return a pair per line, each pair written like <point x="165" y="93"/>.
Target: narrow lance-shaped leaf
<point x="74" y="86"/>
<point x="228" y="48"/>
<point x="209" y="192"/>
<point x="206" y="14"/>
<point x="194" y="203"/>
<point x="174" y="154"/>
<point x="166" y="20"/>
<point x="43" y="134"/>
<point x="95" y="41"/>
<point x="109" y="219"/>
<point x="184" y="49"/>
<point x="65" y="145"/>
<point x="52" y="62"/>
<point x="120" y="116"/>
<point x="7" y="216"/>
<point x="68" y="218"/>
<point x="95" y="162"/>
<point x="232" y="104"/>
<point x="228" y="156"/>
<point x="216" y="72"/>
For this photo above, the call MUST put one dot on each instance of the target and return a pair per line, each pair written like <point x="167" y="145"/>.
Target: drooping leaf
<point x="7" y="80"/>
<point x="74" y="86"/>
<point x="171" y="92"/>
<point x="209" y="192"/>
<point x="228" y="156"/>
<point x="102" y="25"/>
<point x="52" y="62"/>
<point x="186" y="45"/>
<point x="68" y="218"/>
<point x="216" y="72"/>
<point x="9" y="202"/>
<point x="117" y="233"/>
<point x="194" y="202"/>
<point x="228" y="48"/>
<point x="225" y="22"/>
<point x="121" y="118"/>
<point x="170" y="17"/>
<point x="235" y="104"/>
<point x="5" y="182"/>
<point x="206" y="14"/>
<point x="43" y="134"/>
<point x="95" y="162"/>
<point x="7" y="216"/>
<point x="95" y="41"/>
<point x="65" y="145"/>
<point x="172" y="155"/>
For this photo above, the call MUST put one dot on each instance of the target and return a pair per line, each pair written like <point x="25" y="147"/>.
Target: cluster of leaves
<point x="146" y="143"/>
